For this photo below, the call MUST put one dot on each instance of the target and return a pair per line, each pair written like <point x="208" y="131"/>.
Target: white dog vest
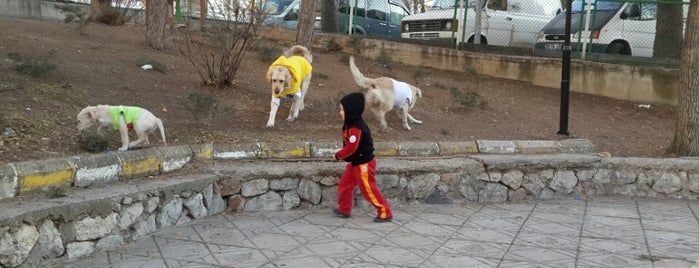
<point x="401" y="93"/>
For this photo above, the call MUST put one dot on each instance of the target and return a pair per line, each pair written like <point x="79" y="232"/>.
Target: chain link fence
<point x="639" y="32"/>
<point x="632" y="32"/>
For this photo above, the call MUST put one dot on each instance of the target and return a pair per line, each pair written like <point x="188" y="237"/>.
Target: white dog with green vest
<point x="123" y="119"/>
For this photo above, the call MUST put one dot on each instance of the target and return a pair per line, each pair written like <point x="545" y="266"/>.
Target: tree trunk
<point x="686" y="140"/>
<point x="98" y="8"/>
<point x="202" y="15"/>
<point x="668" y="31"/>
<point x="156" y="23"/>
<point x="329" y="18"/>
<point x="307" y="18"/>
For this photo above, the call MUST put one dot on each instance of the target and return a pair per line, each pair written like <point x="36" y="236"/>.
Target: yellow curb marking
<point x="33" y="182"/>
<point x="208" y="153"/>
<point x="148" y="165"/>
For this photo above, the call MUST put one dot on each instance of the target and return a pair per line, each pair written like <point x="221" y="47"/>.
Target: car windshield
<point x="276" y="7"/>
<point x="443" y="4"/>
<point x="601" y="5"/>
<point x="449" y="4"/>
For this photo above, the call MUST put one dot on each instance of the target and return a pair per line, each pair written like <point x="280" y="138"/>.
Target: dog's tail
<point x="418" y="92"/>
<point x="365" y="83"/>
<point x="299" y="50"/>
<point x="162" y="130"/>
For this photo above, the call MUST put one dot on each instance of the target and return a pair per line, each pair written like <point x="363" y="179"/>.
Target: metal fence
<point x="636" y="32"/>
<point x="640" y="32"/>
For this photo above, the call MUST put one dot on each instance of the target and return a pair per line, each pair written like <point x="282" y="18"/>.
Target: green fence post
<point x="178" y="12"/>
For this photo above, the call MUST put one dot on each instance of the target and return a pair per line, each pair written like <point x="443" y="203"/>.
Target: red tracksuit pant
<point x="362" y="176"/>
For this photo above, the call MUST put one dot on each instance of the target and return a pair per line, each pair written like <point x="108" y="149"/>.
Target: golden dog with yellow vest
<point x="289" y="76"/>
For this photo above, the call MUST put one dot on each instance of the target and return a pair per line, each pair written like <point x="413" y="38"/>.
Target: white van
<point x="503" y="23"/>
<point x="623" y="28"/>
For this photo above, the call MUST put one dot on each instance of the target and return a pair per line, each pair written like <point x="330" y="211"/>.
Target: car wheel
<point x="618" y="49"/>
<point x="483" y="40"/>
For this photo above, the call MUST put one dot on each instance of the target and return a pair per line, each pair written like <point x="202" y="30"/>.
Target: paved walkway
<point x="593" y="232"/>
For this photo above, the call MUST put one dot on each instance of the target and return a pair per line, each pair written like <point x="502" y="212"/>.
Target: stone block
<point x="140" y="163"/>
<point x="418" y="149"/>
<point x="94" y="169"/>
<point x="457" y="148"/>
<point x="285" y="150"/>
<point x="175" y="157"/>
<point x="9" y="182"/>
<point x="496" y="147"/>
<point x="325" y="149"/>
<point x="385" y="149"/>
<point x="236" y="151"/>
<point x="202" y="151"/>
<point x="537" y="147"/>
<point x="576" y="146"/>
<point x="36" y="176"/>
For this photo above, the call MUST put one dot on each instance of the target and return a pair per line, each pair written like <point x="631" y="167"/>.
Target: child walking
<point x="358" y="150"/>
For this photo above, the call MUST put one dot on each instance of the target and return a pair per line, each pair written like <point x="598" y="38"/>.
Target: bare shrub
<point x="218" y="53"/>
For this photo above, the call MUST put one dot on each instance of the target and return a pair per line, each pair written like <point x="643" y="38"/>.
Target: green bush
<point x="93" y="143"/>
<point x="35" y="68"/>
<point x="468" y="100"/>
<point x="384" y="59"/>
<point x="268" y="53"/>
<point x="201" y="104"/>
<point x="332" y="46"/>
<point x="356" y="42"/>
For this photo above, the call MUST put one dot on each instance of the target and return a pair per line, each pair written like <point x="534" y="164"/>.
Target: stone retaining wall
<point x="95" y="219"/>
<point x="48" y="176"/>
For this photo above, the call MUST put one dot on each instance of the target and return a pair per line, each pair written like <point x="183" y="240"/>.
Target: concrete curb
<point x="82" y="171"/>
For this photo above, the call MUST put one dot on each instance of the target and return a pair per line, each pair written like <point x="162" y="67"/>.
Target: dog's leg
<point x="124" y="133"/>
<point x="404" y="116"/>
<point x="381" y="115"/>
<point x="296" y="104"/>
<point x="274" y="105"/>
<point x="412" y="119"/>
<point x="304" y="90"/>
<point x="294" y="110"/>
<point x="141" y="141"/>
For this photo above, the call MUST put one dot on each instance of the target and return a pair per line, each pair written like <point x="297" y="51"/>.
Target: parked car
<point x="625" y="28"/>
<point x="371" y="17"/>
<point x="515" y="23"/>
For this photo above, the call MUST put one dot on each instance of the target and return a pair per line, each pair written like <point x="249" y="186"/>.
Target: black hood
<point x="354" y="107"/>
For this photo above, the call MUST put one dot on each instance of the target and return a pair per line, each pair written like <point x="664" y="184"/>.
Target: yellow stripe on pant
<point x="364" y="175"/>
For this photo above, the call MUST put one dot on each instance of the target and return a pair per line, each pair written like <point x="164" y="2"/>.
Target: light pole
<point x="565" y="75"/>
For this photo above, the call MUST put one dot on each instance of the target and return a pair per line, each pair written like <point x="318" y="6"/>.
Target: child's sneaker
<point x="340" y="214"/>
<point x="377" y="219"/>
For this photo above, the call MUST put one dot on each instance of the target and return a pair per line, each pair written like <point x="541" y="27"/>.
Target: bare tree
<point x="218" y="53"/>
<point x="156" y="21"/>
<point x="668" y="30"/>
<point x="686" y="140"/>
<point x="306" y="23"/>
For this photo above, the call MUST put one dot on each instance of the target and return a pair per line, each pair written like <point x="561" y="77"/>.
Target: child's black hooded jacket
<point x="358" y="147"/>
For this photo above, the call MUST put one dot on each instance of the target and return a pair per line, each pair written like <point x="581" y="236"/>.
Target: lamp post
<point x="565" y="75"/>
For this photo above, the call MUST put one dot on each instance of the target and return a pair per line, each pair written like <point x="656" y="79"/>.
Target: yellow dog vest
<point x="298" y="67"/>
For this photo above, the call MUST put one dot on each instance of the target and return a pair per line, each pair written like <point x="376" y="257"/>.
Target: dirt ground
<point x="100" y="64"/>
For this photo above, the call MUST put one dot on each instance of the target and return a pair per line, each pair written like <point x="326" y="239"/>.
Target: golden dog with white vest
<point x="384" y="94"/>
